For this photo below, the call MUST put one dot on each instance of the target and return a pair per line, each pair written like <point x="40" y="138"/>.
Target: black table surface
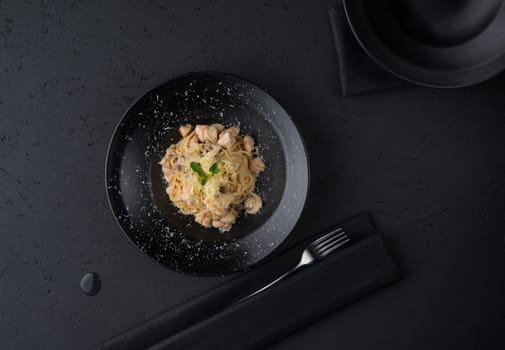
<point x="429" y="164"/>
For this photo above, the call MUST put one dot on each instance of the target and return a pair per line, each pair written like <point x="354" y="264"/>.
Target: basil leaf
<point x="197" y="168"/>
<point x="214" y="169"/>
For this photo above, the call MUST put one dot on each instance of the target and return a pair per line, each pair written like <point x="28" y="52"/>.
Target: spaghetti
<point x="211" y="174"/>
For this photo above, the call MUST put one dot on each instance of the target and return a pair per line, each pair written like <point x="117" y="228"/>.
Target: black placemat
<point x="359" y="74"/>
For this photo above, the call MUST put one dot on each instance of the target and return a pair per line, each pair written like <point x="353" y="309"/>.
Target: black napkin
<point x="359" y="74"/>
<point x="211" y="302"/>
<point x="311" y="293"/>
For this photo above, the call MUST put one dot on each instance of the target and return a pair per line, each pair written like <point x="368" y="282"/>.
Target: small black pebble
<point x="90" y="283"/>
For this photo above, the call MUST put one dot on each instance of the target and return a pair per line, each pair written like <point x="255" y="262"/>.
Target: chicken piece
<point x="256" y="165"/>
<point x="185" y="129"/>
<point x="248" y="143"/>
<point x="227" y="139"/>
<point x="210" y="134"/>
<point x="226" y="221"/>
<point x="200" y="132"/>
<point x="215" y="207"/>
<point x="204" y="219"/>
<point x="206" y="133"/>
<point x="219" y="127"/>
<point x="232" y="130"/>
<point x="252" y="203"/>
<point x="229" y="217"/>
<point x="220" y="205"/>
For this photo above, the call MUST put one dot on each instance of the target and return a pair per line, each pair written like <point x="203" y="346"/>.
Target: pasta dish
<point x="211" y="174"/>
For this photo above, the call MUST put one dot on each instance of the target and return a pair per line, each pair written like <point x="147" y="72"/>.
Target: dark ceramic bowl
<point x="436" y="43"/>
<point x="136" y="188"/>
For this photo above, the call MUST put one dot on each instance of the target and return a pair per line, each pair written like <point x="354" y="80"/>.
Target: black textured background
<point x="430" y="165"/>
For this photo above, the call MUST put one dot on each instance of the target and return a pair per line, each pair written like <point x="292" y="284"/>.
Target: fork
<point x="317" y="250"/>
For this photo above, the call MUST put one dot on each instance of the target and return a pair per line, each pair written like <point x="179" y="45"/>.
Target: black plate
<point x="136" y="188"/>
<point x="437" y="43"/>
